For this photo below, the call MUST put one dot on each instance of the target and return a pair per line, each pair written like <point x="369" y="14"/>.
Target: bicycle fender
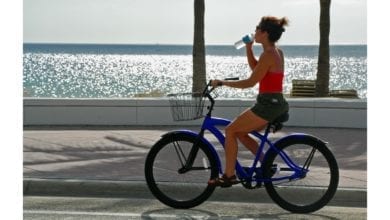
<point x="204" y="140"/>
<point x="285" y="140"/>
<point x="299" y="136"/>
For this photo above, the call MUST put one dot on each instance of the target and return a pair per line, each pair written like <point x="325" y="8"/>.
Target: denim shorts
<point x="270" y="105"/>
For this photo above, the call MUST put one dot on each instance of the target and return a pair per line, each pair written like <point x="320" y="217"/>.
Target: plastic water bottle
<point x="244" y="40"/>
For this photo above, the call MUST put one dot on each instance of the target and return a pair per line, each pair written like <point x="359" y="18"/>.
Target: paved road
<point x="43" y="208"/>
<point x="109" y="162"/>
<point x="119" y="154"/>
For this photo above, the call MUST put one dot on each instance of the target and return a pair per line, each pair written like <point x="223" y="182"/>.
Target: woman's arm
<point x="258" y="73"/>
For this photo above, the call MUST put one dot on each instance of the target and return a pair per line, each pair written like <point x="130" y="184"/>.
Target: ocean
<point x="123" y="71"/>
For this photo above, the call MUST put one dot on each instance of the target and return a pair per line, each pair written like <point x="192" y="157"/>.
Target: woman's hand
<point x="249" y="45"/>
<point x="216" y="82"/>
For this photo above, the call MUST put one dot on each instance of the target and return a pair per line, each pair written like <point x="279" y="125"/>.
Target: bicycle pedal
<point x="230" y="185"/>
<point x="248" y="185"/>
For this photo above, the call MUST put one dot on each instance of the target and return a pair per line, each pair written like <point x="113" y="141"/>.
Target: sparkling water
<point x="122" y="71"/>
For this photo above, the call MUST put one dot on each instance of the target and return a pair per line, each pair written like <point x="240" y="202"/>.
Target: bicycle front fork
<point x="192" y="155"/>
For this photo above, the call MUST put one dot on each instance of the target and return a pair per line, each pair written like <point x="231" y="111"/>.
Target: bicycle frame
<point x="210" y="124"/>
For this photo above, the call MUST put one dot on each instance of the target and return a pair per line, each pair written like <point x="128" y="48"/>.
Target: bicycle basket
<point x="186" y="106"/>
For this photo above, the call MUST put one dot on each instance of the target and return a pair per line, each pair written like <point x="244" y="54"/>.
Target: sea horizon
<point x="183" y="44"/>
<point x="127" y="70"/>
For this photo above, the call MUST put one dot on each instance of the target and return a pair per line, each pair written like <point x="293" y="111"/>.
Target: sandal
<point x="223" y="181"/>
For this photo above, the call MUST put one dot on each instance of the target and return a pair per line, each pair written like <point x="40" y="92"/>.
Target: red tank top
<point x="272" y="82"/>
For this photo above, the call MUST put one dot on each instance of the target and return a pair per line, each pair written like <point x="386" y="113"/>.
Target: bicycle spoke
<point x="200" y="168"/>
<point x="180" y="153"/>
<point x="309" y="159"/>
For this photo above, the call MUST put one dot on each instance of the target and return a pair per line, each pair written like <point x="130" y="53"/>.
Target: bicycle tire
<point x="321" y="179"/>
<point x="179" y="190"/>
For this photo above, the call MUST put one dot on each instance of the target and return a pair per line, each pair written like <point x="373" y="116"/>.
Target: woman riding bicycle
<point x="268" y="71"/>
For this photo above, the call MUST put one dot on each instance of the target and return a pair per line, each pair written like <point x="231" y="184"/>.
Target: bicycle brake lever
<point x="212" y="88"/>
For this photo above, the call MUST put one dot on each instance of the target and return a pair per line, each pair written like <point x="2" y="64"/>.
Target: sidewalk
<point x="60" y="160"/>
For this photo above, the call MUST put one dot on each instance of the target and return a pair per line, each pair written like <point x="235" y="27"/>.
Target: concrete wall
<point x="307" y="112"/>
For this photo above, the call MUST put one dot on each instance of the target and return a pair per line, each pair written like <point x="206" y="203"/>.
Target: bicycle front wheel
<point x="165" y="176"/>
<point x="305" y="191"/>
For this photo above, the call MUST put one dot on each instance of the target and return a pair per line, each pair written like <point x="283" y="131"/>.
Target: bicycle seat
<point x="277" y="124"/>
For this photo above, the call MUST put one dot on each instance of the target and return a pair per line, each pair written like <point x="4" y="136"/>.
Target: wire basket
<point x="186" y="106"/>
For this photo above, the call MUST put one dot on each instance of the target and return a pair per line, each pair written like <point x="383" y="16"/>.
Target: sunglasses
<point x="258" y="28"/>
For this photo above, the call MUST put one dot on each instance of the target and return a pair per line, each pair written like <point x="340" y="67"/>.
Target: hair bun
<point x="283" y="22"/>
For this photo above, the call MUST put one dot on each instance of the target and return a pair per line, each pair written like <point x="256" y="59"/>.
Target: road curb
<point x="348" y="197"/>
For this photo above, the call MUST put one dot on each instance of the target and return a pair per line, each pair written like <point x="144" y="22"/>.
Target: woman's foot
<point x="223" y="181"/>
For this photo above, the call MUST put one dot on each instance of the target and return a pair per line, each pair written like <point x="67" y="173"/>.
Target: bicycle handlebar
<point x="207" y="91"/>
<point x="209" y="84"/>
<point x="232" y="78"/>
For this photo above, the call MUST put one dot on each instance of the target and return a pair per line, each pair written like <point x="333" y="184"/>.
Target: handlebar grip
<point x="232" y="78"/>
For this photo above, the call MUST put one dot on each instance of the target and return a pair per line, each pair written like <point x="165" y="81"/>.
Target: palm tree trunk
<point x="322" y="82"/>
<point x="198" y="50"/>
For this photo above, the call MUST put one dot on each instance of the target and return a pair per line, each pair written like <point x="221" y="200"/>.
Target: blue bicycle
<point x="298" y="171"/>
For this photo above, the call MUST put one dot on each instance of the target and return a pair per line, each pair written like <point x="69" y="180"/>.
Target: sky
<point x="171" y="21"/>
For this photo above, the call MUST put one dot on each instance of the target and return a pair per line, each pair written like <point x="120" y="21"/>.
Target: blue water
<point x="102" y="71"/>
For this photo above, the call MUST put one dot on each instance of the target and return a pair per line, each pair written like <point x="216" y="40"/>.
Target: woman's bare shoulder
<point x="267" y="56"/>
<point x="280" y="51"/>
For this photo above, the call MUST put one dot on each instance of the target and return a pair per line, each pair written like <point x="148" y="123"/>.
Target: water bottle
<point x="244" y="40"/>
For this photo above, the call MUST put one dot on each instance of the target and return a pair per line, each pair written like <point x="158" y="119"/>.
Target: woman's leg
<point x="250" y="143"/>
<point x="244" y="123"/>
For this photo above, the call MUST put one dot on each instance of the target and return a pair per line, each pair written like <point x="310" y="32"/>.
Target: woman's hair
<point x="273" y="26"/>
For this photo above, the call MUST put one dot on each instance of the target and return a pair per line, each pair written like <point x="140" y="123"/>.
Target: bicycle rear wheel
<point x="165" y="178"/>
<point x="315" y="187"/>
